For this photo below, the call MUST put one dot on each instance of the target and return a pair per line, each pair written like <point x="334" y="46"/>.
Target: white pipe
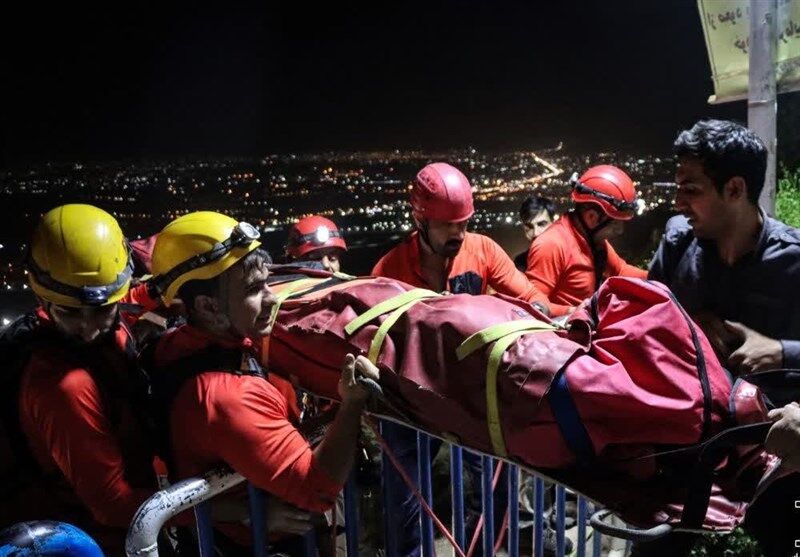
<point x="142" y="538"/>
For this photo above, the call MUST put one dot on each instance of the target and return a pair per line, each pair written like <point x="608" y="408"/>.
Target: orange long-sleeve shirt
<point x="562" y="269"/>
<point x="480" y="263"/>
<point x="243" y="421"/>
<point x="80" y="426"/>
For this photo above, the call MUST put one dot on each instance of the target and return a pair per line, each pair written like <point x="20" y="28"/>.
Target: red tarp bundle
<point x="630" y="375"/>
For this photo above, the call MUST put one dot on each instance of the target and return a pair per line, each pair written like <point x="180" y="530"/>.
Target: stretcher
<point x="624" y="403"/>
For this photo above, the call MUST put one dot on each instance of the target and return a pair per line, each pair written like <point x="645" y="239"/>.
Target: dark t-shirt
<point x="760" y="290"/>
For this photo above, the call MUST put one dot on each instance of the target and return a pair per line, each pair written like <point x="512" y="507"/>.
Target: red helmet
<point x="441" y="192"/>
<point x="607" y="186"/>
<point x="311" y="234"/>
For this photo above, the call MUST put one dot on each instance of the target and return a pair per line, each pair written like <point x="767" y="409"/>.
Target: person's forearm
<point x="335" y="453"/>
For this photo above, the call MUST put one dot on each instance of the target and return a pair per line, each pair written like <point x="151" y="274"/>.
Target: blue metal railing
<point x="196" y="492"/>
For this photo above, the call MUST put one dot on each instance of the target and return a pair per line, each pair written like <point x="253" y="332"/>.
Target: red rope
<point x="502" y="535"/>
<point x="477" y="533"/>
<point x="413" y="488"/>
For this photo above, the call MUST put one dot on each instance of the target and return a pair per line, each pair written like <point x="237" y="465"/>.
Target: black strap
<point x="712" y="452"/>
<point x="618" y="204"/>
<point x="425" y="236"/>
<point x="165" y="381"/>
<point x="600" y="261"/>
<point x="18" y="343"/>
<point x="132" y="309"/>
<point x="296" y="270"/>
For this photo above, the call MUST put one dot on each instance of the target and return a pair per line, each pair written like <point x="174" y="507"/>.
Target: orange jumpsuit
<point x="78" y="419"/>
<point x="562" y="266"/>
<point x="480" y="263"/>
<point x="243" y="421"/>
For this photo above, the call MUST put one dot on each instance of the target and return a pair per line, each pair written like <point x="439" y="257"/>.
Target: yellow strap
<point x="343" y="276"/>
<point x="293" y="288"/>
<point x="492" y="406"/>
<point x="380" y="336"/>
<point x="386" y="306"/>
<point x="281" y="296"/>
<point x="502" y="334"/>
<point x="494" y="332"/>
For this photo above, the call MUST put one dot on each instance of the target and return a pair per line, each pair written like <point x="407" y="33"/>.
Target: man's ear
<point x="206" y="307"/>
<point x="736" y="188"/>
<point x="591" y="216"/>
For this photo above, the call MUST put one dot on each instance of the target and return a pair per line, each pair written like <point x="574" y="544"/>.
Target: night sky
<point x="165" y="82"/>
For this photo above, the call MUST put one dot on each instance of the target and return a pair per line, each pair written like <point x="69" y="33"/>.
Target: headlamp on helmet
<point x="619" y="204"/>
<point x="242" y="235"/>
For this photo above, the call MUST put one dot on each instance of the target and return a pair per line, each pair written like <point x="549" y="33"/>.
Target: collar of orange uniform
<point x="204" y="338"/>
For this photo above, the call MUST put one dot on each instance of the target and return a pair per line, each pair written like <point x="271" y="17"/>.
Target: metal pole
<point x="457" y="494"/>
<point x="164" y="504"/>
<point x="310" y="543"/>
<point x="257" y="499"/>
<point x="581" y="526"/>
<point x="487" y="475"/>
<point x="390" y="501"/>
<point x="205" y="529"/>
<point x="762" y="105"/>
<point x="351" y="514"/>
<point x="597" y="538"/>
<point x="513" y="511"/>
<point x="424" y="452"/>
<point x="538" y="517"/>
<point x="561" y="501"/>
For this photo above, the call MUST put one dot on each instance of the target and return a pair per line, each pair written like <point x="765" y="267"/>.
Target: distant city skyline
<point x="120" y="83"/>
<point x="365" y="193"/>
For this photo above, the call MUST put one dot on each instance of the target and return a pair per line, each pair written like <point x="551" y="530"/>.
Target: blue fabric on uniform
<point x="466" y="283"/>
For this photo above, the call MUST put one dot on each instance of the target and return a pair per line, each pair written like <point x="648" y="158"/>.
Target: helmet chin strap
<point x="425" y="237"/>
<point x="591" y="231"/>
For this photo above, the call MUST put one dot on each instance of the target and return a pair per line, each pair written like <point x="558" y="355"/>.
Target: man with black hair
<point x="736" y="271"/>
<point x="535" y="214"/>
<point x="731" y="265"/>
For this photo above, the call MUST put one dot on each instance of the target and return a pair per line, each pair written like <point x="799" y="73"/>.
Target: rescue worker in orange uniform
<point x="227" y="409"/>
<point x="568" y="261"/>
<point x="442" y="256"/>
<point x="79" y="451"/>
<point x="316" y="238"/>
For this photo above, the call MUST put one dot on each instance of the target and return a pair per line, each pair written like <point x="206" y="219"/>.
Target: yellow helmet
<point x="199" y="246"/>
<point x="79" y="257"/>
